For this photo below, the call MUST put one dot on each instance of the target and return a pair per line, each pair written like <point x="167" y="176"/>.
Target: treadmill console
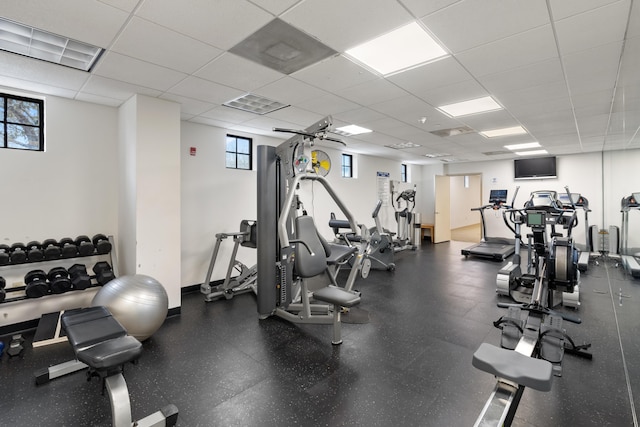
<point x="536" y="219"/>
<point x="498" y="197"/>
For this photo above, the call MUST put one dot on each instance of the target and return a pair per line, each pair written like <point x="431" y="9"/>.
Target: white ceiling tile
<point x="290" y="91"/>
<point x="300" y="117"/>
<point x="407" y="108"/>
<point x="150" y="42"/>
<point x="204" y="90"/>
<point x="86" y="21"/>
<point x="598" y="102"/>
<point x="133" y="71"/>
<point x="458" y="92"/>
<point x="188" y="106"/>
<point x="334" y="74"/>
<point x="40" y="72"/>
<point x="328" y="104"/>
<point x="220" y="23"/>
<point x="564" y="8"/>
<point x="109" y="88"/>
<point x="344" y="24"/>
<point x="537" y="95"/>
<point x="234" y="71"/>
<point x="228" y="114"/>
<point x="126" y="5"/>
<point x="97" y="99"/>
<point x="372" y="91"/>
<point x="420" y="8"/>
<point x="16" y="86"/>
<point x="275" y="6"/>
<point x="359" y="116"/>
<point x="489" y="121"/>
<point x="512" y="52"/>
<point x="592" y="125"/>
<point x="594" y="69"/>
<point x="593" y="28"/>
<point x="537" y="74"/>
<point x="527" y="109"/>
<point x="469" y="24"/>
<point x="444" y="72"/>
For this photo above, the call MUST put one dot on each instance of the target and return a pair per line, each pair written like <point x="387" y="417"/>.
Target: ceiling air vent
<point x="453" y="131"/>
<point x="496" y="153"/>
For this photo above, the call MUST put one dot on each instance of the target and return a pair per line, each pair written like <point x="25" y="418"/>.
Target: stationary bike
<point x="533" y="339"/>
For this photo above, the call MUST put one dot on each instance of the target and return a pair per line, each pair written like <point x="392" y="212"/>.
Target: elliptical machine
<point x="404" y="217"/>
<point x="510" y="280"/>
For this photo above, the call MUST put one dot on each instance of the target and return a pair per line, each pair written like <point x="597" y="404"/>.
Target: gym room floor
<point x="409" y="366"/>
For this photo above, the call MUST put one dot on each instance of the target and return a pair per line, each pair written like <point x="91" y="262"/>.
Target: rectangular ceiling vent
<point x="255" y="104"/>
<point x="436" y="155"/>
<point x="444" y="133"/>
<point x="403" y="145"/>
<point x="497" y="153"/>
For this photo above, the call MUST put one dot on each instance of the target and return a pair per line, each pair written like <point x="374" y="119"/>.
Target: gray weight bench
<point x="101" y="344"/>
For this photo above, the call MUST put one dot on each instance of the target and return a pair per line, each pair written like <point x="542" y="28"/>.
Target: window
<point x="21" y="122"/>
<point x="239" y="152"/>
<point x="347" y="166"/>
<point x="403" y="173"/>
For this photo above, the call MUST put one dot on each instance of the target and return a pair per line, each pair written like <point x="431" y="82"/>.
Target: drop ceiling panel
<point x="126" y="5"/>
<point x="435" y="75"/>
<point x="116" y="89"/>
<point x="190" y="106"/>
<point x="40" y="72"/>
<point x="359" y="116"/>
<point x="372" y="92"/>
<point x="152" y="43"/>
<point x="344" y="24"/>
<point x="593" y="28"/>
<point x="290" y="91"/>
<point x="204" y="90"/>
<point x="420" y="8"/>
<point x="228" y="114"/>
<point x="512" y="52"/>
<point x="275" y="6"/>
<point x="457" y="92"/>
<point x="407" y="108"/>
<point x="220" y="23"/>
<point x="11" y="84"/>
<point x="87" y="21"/>
<point x="534" y="95"/>
<point x="594" y="69"/>
<point x="302" y="118"/>
<point x="468" y="24"/>
<point x="564" y="8"/>
<point x="537" y="74"/>
<point x="231" y="70"/>
<point x="130" y="70"/>
<point x="334" y="74"/>
<point x="328" y="104"/>
<point x="489" y="121"/>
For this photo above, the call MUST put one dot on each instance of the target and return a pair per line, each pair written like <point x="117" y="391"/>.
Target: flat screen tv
<point x="535" y="168"/>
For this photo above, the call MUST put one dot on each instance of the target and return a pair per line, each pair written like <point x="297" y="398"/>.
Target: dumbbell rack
<point x="17" y="308"/>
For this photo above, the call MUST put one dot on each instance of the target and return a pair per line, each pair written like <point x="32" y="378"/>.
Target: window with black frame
<point x="239" y="152"/>
<point x="347" y="166"/>
<point x="403" y="173"/>
<point x="22" y="122"/>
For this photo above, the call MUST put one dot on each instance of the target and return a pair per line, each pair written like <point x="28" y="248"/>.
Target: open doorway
<point x="465" y="193"/>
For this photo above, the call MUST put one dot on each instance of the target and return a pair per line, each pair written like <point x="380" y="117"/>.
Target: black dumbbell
<point x="4" y="254"/>
<point x="68" y="248"/>
<point x="15" y="346"/>
<point x="18" y="253"/>
<point x="59" y="282"/>
<point x="80" y="279"/>
<point x="36" y="284"/>
<point x="51" y="249"/>
<point x="85" y="245"/>
<point x="34" y="251"/>
<point x="3" y="293"/>
<point x="102" y="244"/>
<point x="103" y="272"/>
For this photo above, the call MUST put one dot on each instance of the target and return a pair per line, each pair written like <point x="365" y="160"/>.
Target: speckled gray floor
<point x="409" y="366"/>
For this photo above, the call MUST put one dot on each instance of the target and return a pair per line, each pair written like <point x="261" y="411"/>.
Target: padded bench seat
<point x="513" y="366"/>
<point x="340" y="253"/>
<point x="337" y="296"/>
<point x="98" y="339"/>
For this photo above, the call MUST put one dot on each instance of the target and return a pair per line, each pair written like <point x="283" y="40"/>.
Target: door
<point x="442" y="223"/>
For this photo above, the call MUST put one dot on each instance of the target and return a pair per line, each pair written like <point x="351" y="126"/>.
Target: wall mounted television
<point x="535" y="168"/>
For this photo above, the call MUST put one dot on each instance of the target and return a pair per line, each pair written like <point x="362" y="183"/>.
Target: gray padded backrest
<point x="308" y="265"/>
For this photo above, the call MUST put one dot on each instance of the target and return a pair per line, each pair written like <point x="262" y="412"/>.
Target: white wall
<point x="65" y="191"/>
<point x="581" y="172"/>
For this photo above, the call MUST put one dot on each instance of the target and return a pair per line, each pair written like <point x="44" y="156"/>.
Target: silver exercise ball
<point x="138" y="302"/>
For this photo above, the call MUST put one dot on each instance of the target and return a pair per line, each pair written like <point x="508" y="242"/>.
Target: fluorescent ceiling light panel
<point x="531" y="153"/>
<point x="399" y="50"/>
<point x="473" y="106"/>
<point x="351" y="130"/>
<point x="524" y="146"/>
<point x="495" y="133"/>
<point x="436" y="155"/>
<point x="255" y="104"/>
<point x="39" y="44"/>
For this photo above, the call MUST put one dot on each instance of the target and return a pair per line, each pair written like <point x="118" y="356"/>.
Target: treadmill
<point x="587" y="251"/>
<point x="495" y="248"/>
<point x="630" y="256"/>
